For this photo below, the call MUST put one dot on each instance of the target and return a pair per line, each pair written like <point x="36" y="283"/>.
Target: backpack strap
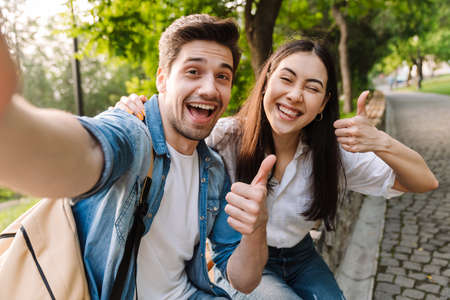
<point x="134" y="236"/>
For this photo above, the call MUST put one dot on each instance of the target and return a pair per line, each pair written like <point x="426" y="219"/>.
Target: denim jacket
<point x="105" y="214"/>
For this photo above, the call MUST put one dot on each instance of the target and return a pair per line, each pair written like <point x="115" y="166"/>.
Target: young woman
<point x="293" y="112"/>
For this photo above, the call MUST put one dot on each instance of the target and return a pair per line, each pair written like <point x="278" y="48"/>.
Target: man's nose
<point x="208" y="88"/>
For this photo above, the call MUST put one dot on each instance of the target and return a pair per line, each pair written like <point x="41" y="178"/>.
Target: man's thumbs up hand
<point x="246" y="206"/>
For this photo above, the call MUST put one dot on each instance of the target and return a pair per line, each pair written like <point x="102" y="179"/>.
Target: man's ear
<point x="161" y="80"/>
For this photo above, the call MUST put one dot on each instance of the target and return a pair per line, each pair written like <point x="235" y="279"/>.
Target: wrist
<point x="385" y="142"/>
<point x="258" y="236"/>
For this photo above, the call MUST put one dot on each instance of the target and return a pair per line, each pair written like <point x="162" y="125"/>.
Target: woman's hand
<point x="357" y="134"/>
<point x="133" y="104"/>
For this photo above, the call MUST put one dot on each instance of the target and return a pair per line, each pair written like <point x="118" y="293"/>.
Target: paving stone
<point x="442" y="255"/>
<point x="385" y="261"/>
<point x="433" y="269"/>
<point x="446" y="292"/>
<point x="415" y="294"/>
<point x="417" y="276"/>
<point x="401" y="256"/>
<point x="446" y="273"/>
<point x="402" y="298"/>
<point x="411" y="244"/>
<point x="417" y="226"/>
<point x="412" y="266"/>
<point x="388" y="288"/>
<point x="403" y="249"/>
<point x="379" y="295"/>
<point x="385" y="277"/>
<point x="420" y="258"/>
<point x="441" y="280"/>
<point x="409" y="237"/>
<point x="440" y="262"/>
<point x="404" y="282"/>
<point x="429" y="287"/>
<point x="396" y="271"/>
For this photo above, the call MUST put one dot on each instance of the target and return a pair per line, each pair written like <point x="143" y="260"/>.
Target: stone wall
<point x="332" y="245"/>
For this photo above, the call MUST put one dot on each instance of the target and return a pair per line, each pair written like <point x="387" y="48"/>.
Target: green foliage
<point x="417" y="29"/>
<point x="6" y="195"/>
<point x="8" y="215"/>
<point x="130" y="31"/>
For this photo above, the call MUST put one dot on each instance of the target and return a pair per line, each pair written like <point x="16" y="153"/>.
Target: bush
<point x="6" y="195"/>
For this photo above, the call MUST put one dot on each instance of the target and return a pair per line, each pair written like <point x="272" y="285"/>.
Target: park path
<point x="415" y="248"/>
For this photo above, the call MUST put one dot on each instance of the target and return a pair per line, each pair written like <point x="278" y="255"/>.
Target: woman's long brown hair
<point x="257" y="139"/>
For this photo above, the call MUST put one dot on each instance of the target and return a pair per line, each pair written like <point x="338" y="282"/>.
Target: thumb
<point x="264" y="170"/>
<point x="361" y="109"/>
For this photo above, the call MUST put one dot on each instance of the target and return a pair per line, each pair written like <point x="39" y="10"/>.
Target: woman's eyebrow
<point x="308" y="80"/>
<point x="315" y="80"/>
<point x="289" y="70"/>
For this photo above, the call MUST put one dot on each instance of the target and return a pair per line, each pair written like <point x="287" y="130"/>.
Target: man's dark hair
<point x="198" y="27"/>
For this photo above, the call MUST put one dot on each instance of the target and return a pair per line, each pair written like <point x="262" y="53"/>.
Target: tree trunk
<point x="259" y="25"/>
<point x="408" y="80"/>
<point x="419" y="71"/>
<point x="343" y="58"/>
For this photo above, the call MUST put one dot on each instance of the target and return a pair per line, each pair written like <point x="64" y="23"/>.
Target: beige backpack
<point x="40" y="256"/>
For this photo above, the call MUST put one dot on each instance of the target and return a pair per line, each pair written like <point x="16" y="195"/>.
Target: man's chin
<point x="194" y="134"/>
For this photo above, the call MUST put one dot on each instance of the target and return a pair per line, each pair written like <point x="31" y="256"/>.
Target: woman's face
<point x="295" y="93"/>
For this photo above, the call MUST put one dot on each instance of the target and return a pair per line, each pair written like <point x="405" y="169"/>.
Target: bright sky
<point x="44" y="8"/>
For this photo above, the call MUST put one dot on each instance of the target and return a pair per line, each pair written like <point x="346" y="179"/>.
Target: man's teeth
<point x="288" y="112"/>
<point x="202" y="106"/>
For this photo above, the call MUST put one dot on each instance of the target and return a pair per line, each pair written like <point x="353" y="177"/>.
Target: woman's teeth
<point x="288" y="112"/>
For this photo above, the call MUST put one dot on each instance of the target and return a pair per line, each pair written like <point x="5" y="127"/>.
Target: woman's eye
<point x="192" y="71"/>
<point x="313" y="89"/>
<point x="286" y="79"/>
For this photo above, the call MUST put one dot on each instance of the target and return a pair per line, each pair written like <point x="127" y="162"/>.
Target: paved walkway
<point x="415" y="249"/>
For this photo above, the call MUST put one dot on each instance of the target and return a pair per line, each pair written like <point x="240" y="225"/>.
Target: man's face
<point x="196" y="91"/>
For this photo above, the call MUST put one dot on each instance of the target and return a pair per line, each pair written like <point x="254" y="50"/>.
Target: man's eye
<point x="192" y="71"/>
<point x="224" y="77"/>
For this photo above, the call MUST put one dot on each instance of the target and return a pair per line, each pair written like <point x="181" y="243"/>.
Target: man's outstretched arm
<point x="42" y="152"/>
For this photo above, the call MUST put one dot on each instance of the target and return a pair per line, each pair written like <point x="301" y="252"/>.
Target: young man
<point x="101" y="163"/>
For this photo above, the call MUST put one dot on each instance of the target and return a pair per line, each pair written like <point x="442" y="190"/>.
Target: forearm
<point x="410" y="168"/>
<point x="247" y="262"/>
<point x="46" y="152"/>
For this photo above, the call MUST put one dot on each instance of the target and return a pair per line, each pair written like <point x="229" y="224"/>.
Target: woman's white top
<point x="365" y="173"/>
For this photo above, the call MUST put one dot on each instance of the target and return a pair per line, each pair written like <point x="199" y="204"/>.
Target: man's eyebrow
<point x="202" y="60"/>
<point x="308" y="80"/>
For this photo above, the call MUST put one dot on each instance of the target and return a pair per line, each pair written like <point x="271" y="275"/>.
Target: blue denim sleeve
<point x="116" y="131"/>
<point x="223" y="238"/>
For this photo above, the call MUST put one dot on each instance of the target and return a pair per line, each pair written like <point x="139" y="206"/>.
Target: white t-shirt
<point x="173" y="234"/>
<point x="365" y="173"/>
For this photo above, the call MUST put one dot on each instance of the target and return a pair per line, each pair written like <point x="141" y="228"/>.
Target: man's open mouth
<point x="201" y="110"/>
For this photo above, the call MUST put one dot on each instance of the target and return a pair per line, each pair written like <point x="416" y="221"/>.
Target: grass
<point x="6" y="195"/>
<point x="8" y="215"/>
<point x="437" y="85"/>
